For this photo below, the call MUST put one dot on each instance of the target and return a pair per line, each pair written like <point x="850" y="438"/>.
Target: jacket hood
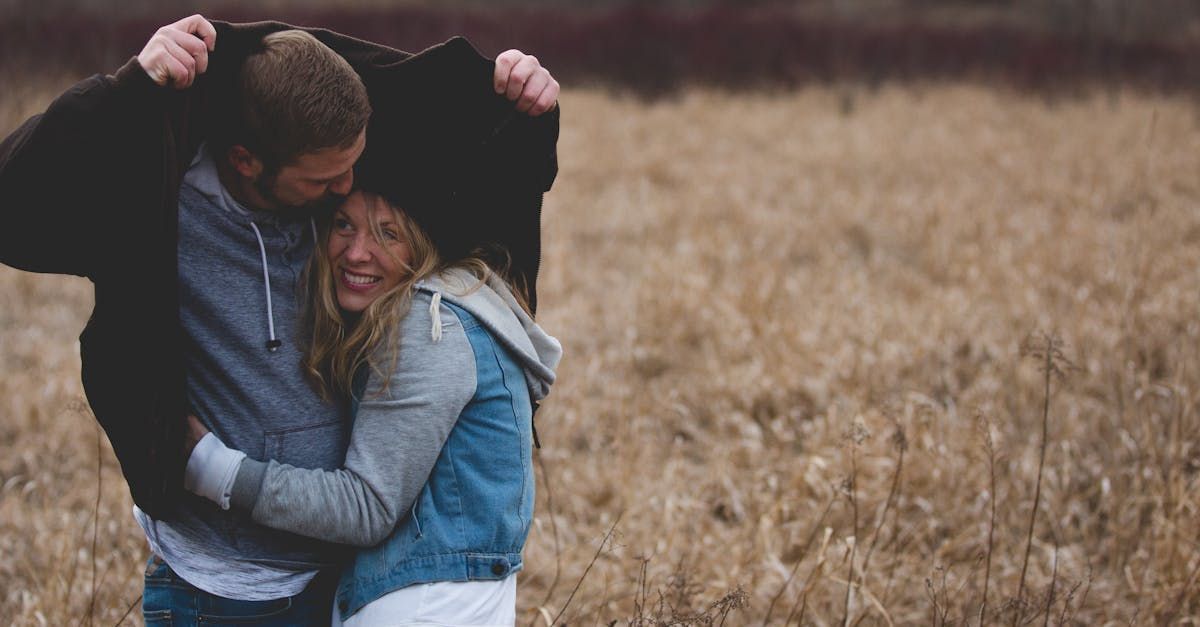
<point x="493" y="304"/>
<point x="441" y="144"/>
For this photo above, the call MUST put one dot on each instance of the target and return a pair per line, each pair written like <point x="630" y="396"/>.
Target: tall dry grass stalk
<point x="737" y="279"/>
<point x="989" y="447"/>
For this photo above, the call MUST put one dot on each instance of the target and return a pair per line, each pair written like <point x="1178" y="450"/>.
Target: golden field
<point x="798" y="329"/>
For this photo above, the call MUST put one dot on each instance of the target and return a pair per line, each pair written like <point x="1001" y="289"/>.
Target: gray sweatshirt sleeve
<point x="397" y="438"/>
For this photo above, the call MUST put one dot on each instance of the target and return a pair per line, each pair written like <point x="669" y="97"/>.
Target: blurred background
<point x="660" y="46"/>
<point x="875" y="312"/>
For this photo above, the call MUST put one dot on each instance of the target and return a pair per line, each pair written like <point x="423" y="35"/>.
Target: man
<point x="189" y="210"/>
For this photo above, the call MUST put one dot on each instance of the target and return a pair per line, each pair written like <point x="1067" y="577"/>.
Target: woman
<point x="438" y="480"/>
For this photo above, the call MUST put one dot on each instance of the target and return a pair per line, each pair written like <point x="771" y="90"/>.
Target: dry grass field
<point x="804" y="375"/>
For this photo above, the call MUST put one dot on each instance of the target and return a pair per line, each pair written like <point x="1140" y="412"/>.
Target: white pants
<point x="441" y="604"/>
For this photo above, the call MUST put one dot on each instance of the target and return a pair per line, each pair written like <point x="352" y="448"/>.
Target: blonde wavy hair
<point x="340" y="343"/>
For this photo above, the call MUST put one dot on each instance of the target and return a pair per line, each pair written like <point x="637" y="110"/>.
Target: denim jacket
<point x="471" y="519"/>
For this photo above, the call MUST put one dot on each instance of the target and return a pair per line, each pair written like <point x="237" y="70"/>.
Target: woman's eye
<point x="340" y="224"/>
<point x="391" y="235"/>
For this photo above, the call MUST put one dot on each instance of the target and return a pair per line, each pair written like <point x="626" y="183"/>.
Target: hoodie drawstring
<point x="435" y="312"/>
<point x="274" y="343"/>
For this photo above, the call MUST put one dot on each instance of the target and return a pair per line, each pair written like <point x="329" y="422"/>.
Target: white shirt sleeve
<point x="211" y="470"/>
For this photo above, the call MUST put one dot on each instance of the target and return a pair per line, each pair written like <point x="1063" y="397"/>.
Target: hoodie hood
<point x="494" y="305"/>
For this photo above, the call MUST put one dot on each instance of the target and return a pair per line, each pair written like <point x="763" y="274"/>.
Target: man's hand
<point x="195" y="432"/>
<point x="178" y="52"/>
<point x="521" y="78"/>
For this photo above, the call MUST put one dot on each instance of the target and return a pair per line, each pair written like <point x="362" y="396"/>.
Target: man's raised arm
<point x="65" y="173"/>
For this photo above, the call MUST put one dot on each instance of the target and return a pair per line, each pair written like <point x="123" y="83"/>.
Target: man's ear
<point x="244" y="162"/>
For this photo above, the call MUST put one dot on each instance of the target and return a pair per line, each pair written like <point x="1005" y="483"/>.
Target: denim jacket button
<point x="498" y="568"/>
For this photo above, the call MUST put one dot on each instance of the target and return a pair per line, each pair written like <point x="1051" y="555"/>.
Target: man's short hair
<point x="297" y="96"/>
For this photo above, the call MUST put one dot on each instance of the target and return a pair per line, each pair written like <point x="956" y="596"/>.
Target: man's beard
<point x="323" y="206"/>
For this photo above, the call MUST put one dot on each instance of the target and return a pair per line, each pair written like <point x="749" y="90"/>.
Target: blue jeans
<point x="169" y="600"/>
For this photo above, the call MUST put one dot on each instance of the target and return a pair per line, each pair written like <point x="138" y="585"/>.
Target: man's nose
<point x="341" y="185"/>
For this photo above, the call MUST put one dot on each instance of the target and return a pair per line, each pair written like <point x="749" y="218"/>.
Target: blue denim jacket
<point x="471" y="519"/>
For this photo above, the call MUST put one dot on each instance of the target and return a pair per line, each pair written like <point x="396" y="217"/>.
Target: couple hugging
<point x="313" y="346"/>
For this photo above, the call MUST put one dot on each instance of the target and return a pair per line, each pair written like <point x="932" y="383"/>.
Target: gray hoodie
<point x="398" y="432"/>
<point x="238" y="276"/>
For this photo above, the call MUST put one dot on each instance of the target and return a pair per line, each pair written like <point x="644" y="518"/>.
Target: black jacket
<point x="90" y="187"/>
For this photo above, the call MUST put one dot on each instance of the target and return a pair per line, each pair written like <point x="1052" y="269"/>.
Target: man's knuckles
<point x="523" y="71"/>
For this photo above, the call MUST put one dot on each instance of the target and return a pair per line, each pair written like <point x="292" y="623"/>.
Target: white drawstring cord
<point x="435" y="312"/>
<point x="273" y="343"/>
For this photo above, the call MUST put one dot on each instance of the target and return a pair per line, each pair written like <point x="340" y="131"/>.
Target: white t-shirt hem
<point x="440" y="604"/>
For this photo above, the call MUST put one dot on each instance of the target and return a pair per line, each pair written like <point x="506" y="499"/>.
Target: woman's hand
<point x="195" y="432"/>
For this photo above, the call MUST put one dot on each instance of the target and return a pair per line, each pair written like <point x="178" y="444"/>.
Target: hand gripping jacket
<point x="90" y="188"/>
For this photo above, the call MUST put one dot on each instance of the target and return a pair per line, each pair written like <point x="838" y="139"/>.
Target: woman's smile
<point x="356" y="281"/>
